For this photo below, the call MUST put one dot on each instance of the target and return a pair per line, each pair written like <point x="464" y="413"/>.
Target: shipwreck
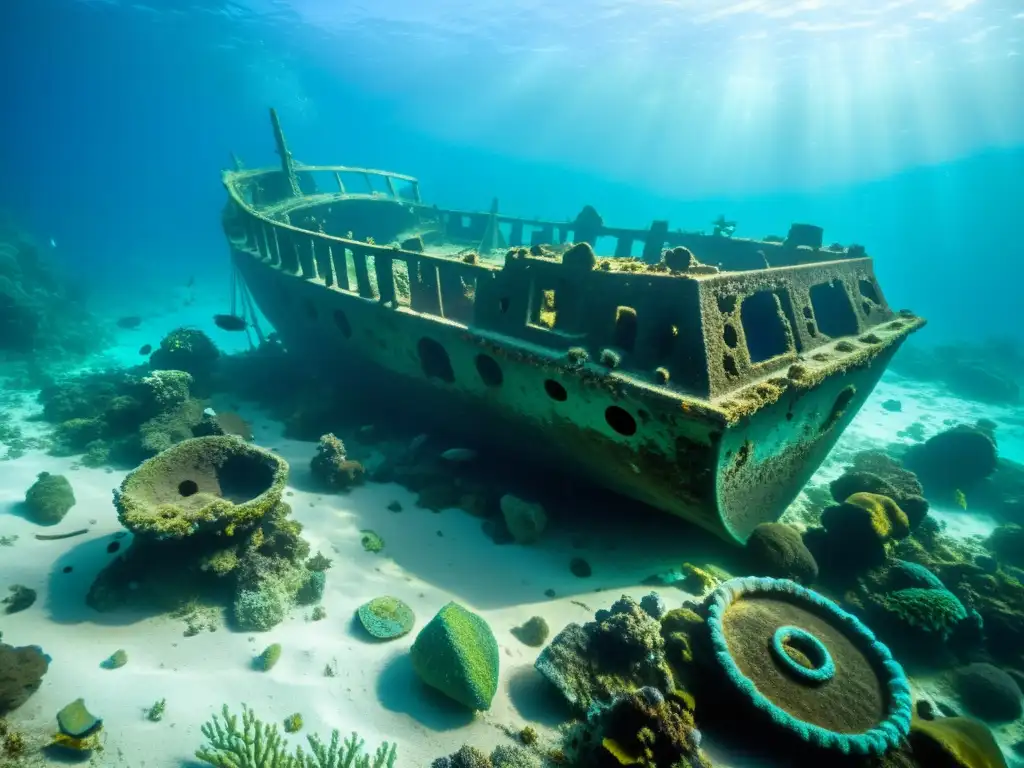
<point x="701" y="373"/>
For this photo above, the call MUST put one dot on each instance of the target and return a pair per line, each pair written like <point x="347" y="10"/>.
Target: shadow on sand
<point x="400" y="690"/>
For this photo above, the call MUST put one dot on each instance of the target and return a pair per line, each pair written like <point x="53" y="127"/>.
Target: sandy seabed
<point x="428" y="560"/>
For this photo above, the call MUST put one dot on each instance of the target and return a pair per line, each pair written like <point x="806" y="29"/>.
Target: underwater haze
<point x="895" y="124"/>
<point x="464" y="384"/>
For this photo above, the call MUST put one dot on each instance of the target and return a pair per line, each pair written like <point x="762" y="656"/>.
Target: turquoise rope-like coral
<point x="885" y="736"/>
<point x="802" y="640"/>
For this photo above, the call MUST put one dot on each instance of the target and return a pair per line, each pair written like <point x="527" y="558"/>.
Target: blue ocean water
<point x="896" y="124"/>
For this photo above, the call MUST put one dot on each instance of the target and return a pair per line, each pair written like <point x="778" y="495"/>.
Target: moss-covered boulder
<point x="958" y="459"/>
<point x="49" y="499"/>
<point x="777" y="550"/>
<point x="989" y="692"/>
<point x="218" y="483"/>
<point x="456" y="653"/>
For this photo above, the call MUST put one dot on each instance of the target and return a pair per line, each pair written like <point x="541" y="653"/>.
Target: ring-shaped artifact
<point x="823" y="668"/>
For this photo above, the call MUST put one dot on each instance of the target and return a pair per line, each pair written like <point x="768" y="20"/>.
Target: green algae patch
<point x="386" y="618"/>
<point x="218" y="483"/>
<point x="456" y="653"/>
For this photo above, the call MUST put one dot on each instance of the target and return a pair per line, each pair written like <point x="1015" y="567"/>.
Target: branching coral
<point x="863" y="708"/>
<point x="260" y="745"/>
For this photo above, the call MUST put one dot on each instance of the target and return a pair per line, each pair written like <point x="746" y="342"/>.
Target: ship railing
<point x="706" y="334"/>
<point x="801" y="245"/>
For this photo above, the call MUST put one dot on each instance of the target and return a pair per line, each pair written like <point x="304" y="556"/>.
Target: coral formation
<point x="457" y="654"/>
<point x="503" y="756"/>
<point x="644" y="728"/>
<point x="209" y="522"/>
<point x="864" y="705"/>
<point x="189" y="350"/>
<point x="618" y="652"/>
<point x="859" y="533"/>
<point x="877" y="473"/>
<point x="933" y="611"/>
<point x="255" y="744"/>
<point x="206" y="484"/>
<point x="21" y="674"/>
<point x="331" y="467"/>
<point x="49" y="499"/>
<point x="121" y="417"/>
<point x="386" y="618"/>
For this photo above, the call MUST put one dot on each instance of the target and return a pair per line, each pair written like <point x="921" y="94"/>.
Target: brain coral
<point x="849" y="695"/>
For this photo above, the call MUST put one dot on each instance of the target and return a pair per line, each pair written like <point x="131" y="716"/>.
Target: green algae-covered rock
<point x="219" y="484"/>
<point x="456" y="653"/>
<point x="386" y="617"/>
<point x="49" y="499"/>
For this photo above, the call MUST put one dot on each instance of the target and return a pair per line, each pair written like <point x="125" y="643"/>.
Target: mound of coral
<point x="121" y="418"/>
<point x="209" y="525"/>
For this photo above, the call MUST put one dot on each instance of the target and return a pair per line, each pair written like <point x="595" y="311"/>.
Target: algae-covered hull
<point x="708" y="376"/>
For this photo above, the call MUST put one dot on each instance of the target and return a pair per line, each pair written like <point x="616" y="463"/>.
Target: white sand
<point x="428" y="560"/>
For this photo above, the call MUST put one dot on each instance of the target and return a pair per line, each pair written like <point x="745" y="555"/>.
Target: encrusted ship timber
<point x="709" y="377"/>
